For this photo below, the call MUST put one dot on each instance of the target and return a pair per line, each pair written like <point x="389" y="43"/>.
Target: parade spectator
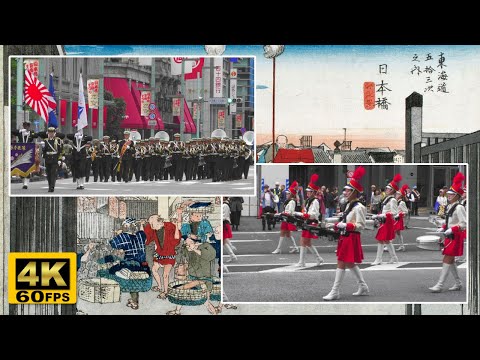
<point x="276" y="191"/>
<point x="330" y="202"/>
<point x="236" y="208"/>
<point x="268" y="208"/>
<point x="283" y="197"/>
<point x="371" y="196"/>
<point x="382" y="193"/>
<point x="321" y="201"/>
<point x="415" y="198"/>
<point x="375" y="202"/>
<point x="440" y="203"/>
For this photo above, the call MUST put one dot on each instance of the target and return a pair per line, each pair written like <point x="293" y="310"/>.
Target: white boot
<point x="378" y="259"/>
<point x="458" y="282"/>
<point x="278" y="250"/>
<point x="230" y="252"/>
<point x="295" y="247"/>
<point x="82" y="183"/>
<point x="402" y="245"/>
<point x="301" y="262"/>
<point x="393" y="256"/>
<point x="314" y="251"/>
<point x="78" y="184"/>
<point x="25" y="183"/>
<point x="443" y="276"/>
<point x="334" y="294"/>
<point x="362" y="285"/>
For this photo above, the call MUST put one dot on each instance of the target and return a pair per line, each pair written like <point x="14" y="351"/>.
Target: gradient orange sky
<point x="392" y="138"/>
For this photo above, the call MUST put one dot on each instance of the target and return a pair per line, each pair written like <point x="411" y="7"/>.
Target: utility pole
<point x="182" y="109"/>
<point x="20" y="81"/>
<point x="101" y="95"/>
<point x="152" y="93"/>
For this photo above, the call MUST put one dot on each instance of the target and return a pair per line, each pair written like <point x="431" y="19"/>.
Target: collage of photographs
<point x="240" y="179"/>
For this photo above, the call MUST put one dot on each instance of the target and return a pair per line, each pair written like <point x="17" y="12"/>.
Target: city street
<point x="260" y="276"/>
<point x="243" y="187"/>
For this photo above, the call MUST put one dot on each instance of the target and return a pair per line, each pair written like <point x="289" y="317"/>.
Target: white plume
<point x="271" y="51"/>
<point x="23" y="159"/>
<point x="215" y="49"/>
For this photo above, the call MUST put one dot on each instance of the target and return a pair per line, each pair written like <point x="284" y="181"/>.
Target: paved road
<point x="259" y="276"/>
<point x="244" y="187"/>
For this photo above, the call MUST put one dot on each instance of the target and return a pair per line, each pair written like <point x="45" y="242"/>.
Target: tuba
<point x="218" y="134"/>
<point x="135" y="136"/>
<point x="249" y="138"/>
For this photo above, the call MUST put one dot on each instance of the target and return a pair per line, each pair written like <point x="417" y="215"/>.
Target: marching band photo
<point x="137" y="126"/>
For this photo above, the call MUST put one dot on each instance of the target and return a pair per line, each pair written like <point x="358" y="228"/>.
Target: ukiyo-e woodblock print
<point x="149" y="255"/>
<point x="93" y="126"/>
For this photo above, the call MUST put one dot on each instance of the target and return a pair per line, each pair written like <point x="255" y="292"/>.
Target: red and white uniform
<point x="349" y="248"/>
<point x="289" y="209"/>
<point x="227" y="229"/>
<point x="458" y="223"/>
<point x="312" y="213"/>
<point x="386" y="231"/>
<point x="402" y="212"/>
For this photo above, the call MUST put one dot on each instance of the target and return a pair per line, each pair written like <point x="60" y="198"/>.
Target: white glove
<point x="59" y="163"/>
<point x="128" y="147"/>
<point x="23" y="131"/>
<point x="42" y="143"/>
<point x="78" y="136"/>
<point x="448" y="232"/>
<point x="381" y="216"/>
<point x="374" y="217"/>
<point x="297" y="213"/>
<point x="341" y="225"/>
<point x="439" y="230"/>
<point x="63" y="158"/>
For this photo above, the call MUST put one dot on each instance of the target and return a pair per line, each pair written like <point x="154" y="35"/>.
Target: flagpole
<point x="20" y="85"/>
<point x="182" y="107"/>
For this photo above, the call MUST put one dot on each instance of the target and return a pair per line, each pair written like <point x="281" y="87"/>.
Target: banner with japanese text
<point x="92" y="88"/>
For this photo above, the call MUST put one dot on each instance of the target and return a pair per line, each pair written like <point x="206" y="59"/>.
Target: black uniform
<point x="106" y="161"/>
<point x="79" y="154"/>
<point x="127" y="152"/>
<point x="52" y="153"/>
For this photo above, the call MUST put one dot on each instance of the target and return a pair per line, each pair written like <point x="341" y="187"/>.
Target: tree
<point x="115" y="115"/>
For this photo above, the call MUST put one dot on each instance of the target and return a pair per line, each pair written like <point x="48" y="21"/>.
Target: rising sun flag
<point x="38" y="97"/>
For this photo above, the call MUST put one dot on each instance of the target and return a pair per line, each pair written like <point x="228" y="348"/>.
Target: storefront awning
<point x="120" y="89"/>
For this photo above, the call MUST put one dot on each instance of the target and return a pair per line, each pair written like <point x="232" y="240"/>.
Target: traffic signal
<point x="229" y="100"/>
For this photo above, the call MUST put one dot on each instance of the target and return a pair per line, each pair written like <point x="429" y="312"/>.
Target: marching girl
<point x="227" y="230"/>
<point x="455" y="234"/>
<point x="311" y="215"/>
<point x="386" y="231"/>
<point x="402" y="212"/>
<point x="286" y="228"/>
<point x="349" y="248"/>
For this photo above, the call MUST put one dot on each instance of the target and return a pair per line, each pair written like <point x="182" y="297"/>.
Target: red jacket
<point x="169" y="241"/>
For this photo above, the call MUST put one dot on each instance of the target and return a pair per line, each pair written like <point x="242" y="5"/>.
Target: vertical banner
<point x="195" y="110"/>
<point x="176" y="106"/>
<point x="221" y="119"/>
<point x="145" y="100"/>
<point x="233" y="91"/>
<point x="218" y="78"/>
<point x="238" y="120"/>
<point x="32" y="65"/>
<point x="92" y="88"/>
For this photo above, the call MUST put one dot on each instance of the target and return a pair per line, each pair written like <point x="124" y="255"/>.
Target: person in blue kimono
<point x="198" y="228"/>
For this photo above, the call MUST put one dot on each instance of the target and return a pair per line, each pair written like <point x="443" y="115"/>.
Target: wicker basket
<point x="189" y="297"/>
<point x="216" y="294"/>
<point x="98" y="290"/>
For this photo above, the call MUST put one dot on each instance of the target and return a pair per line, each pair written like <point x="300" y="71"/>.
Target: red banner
<point x="369" y="95"/>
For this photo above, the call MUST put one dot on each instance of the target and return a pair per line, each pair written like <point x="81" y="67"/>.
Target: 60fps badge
<point x="42" y="278"/>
